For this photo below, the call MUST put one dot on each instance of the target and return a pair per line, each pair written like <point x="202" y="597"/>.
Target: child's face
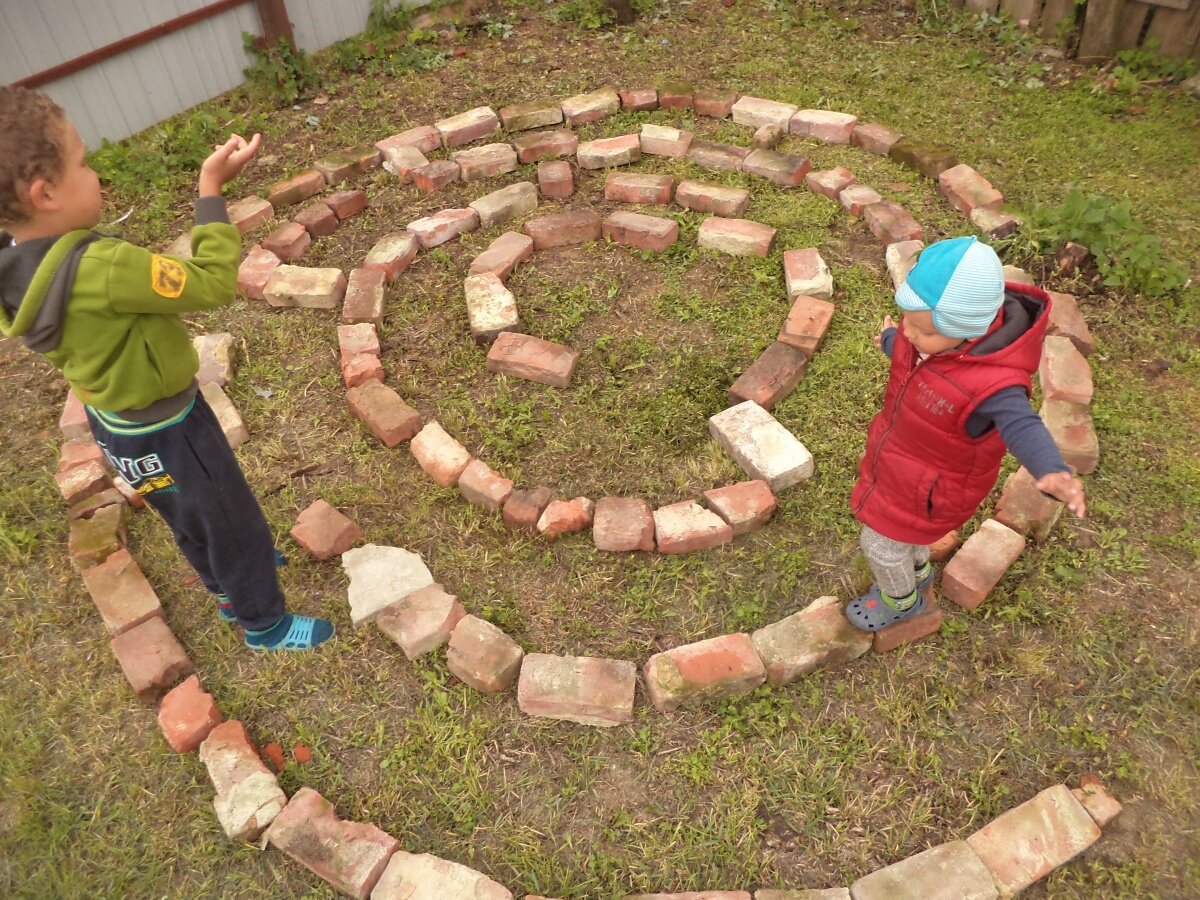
<point x="77" y="188"/>
<point x="921" y="333"/>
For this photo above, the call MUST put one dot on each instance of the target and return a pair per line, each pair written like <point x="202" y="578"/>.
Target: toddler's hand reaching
<point x="887" y="323"/>
<point x="226" y="163"/>
<point x="1066" y="488"/>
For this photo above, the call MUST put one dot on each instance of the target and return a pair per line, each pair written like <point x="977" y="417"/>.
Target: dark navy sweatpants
<point x="186" y="470"/>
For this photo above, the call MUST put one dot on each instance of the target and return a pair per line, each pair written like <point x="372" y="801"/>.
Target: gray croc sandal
<point x="874" y="610"/>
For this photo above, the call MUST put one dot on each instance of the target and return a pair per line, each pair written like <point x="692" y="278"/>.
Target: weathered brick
<point x="761" y="446"/>
<point x="531" y="114"/>
<point x="482" y="485"/>
<point x="784" y="169"/>
<point x="226" y="414"/>
<point x="483" y="656"/>
<point x="503" y="255"/>
<point x="441" y="456"/>
<point x="123" y="596"/>
<point x="305" y="287"/>
<point x="435" y="175"/>
<point x="347" y="203"/>
<point x="249" y="212"/>
<point x="980" y="563"/>
<point x="81" y="481"/>
<point x="746" y="506"/>
<point x="623" y="525"/>
<point x="892" y="223"/>
<point x="629" y="187"/>
<point x="1025" y="509"/>
<point x="817" y="636"/>
<point x="912" y="629"/>
<point x="1099" y="803"/>
<point x="967" y="190"/>
<point x="187" y="714"/>
<point x="545" y="145"/>
<point x="468" y="126"/>
<point x="591" y="107"/>
<point x="491" y="307"/>
<point x="73" y="422"/>
<point x="660" y="140"/>
<point x="288" y="241"/>
<point x="944" y="547"/>
<point x="324" y="532"/>
<point x="875" y="138"/>
<point x="401" y="160"/>
<point x="1073" y="431"/>
<point x="562" y="229"/>
<point x="151" y="658"/>
<point x="379" y="577"/>
<point x="900" y="257"/>
<point x="93" y="540"/>
<point x="716" y="103"/>
<point x="806" y="324"/>
<point x="357" y="339"/>
<point x="522" y="509"/>
<point x="1066" y="321"/>
<point x="857" y="197"/>
<point x="771" y="377"/>
<point x="806" y="274"/>
<point x="768" y="137"/>
<point x="339" y="166"/>
<point x="392" y="253"/>
<point x="693" y="895"/>
<point x="838" y="893"/>
<point x="1029" y="842"/>
<point x="607" y="152"/>
<point x="532" y="358"/>
<point x="444" y="225"/>
<point x="718" y="157"/>
<point x="822" y="125"/>
<point x="80" y="450"/>
<point x="128" y="494"/>
<point x="1020" y="276"/>
<point x="556" y="179"/>
<point x="994" y="223"/>
<point x="652" y="233"/>
<point x="639" y="99"/>
<point x="675" y="95"/>
<point x="487" y="161"/>
<point x="565" y="517"/>
<point x="708" y="670"/>
<point x="411" y="876"/>
<point x="364" y="297"/>
<point x="687" y="526"/>
<point x="712" y="198"/>
<point x="946" y="872"/>
<point x="248" y="796"/>
<point x="927" y="159"/>
<point x="425" y="138"/>
<point x="218" y="357"/>
<point x="422" y="621"/>
<point x="507" y="203"/>
<point x="360" y="369"/>
<point x="755" y="112"/>
<point x="383" y="411"/>
<point x="739" y="237"/>
<point x="351" y="856"/>
<point x="1063" y="372"/>
<point x="583" y="689"/>
<point x="299" y="187"/>
<point x="829" y="182"/>
<point x="255" y="271"/>
<point x="89" y="506"/>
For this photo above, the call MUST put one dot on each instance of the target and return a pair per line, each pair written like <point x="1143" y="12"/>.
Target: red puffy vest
<point x="922" y="475"/>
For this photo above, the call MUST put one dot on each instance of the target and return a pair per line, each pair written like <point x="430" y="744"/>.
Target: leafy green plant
<point x="497" y="27"/>
<point x="280" y="70"/>
<point x="1145" y="64"/>
<point x="387" y="17"/>
<point x="589" y="14"/>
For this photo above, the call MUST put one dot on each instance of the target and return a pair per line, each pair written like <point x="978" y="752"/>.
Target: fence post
<point x="1100" y="24"/>
<point x="273" y="16"/>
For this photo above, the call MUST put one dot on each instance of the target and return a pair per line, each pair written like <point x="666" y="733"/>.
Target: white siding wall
<point x="128" y="93"/>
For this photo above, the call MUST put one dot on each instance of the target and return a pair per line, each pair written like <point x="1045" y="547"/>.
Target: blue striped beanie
<point x="961" y="281"/>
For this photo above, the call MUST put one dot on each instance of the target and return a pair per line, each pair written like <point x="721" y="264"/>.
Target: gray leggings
<point x="893" y="563"/>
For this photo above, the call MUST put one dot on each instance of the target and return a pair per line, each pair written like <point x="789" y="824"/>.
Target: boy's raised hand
<point x="226" y="162"/>
<point x="1066" y="488"/>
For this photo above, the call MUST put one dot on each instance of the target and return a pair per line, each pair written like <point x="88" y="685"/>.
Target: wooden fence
<point x="1104" y="27"/>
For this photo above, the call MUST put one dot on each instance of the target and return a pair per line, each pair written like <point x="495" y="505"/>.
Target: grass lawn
<point x="1084" y="659"/>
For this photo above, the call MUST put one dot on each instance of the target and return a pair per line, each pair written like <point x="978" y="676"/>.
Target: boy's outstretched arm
<point x="225" y="163"/>
<point x="1067" y="488"/>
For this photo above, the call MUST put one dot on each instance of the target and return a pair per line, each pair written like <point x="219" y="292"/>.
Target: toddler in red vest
<point x="957" y="397"/>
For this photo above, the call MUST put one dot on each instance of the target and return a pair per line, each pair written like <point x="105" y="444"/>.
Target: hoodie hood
<point x="1015" y="339"/>
<point x="36" y="278"/>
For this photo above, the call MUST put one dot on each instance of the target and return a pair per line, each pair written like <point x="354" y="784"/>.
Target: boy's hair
<point x="31" y="146"/>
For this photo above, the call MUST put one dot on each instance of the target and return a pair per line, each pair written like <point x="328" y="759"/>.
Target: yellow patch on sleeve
<point x="167" y="277"/>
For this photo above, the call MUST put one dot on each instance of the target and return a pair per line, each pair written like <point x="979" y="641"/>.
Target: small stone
<point x="591" y="107"/>
<point x="687" y="526"/>
<point x="422" y="621"/>
<point x="545" y="144"/>
<point x="806" y="324"/>
<point x="784" y="169"/>
<point x="151" y="658"/>
<point x="441" y="456"/>
<point x="218" y="358"/>
<point x="364" y="297"/>
<point x="857" y="197"/>
<point x="435" y="175"/>
<point x="556" y="179"/>
<point x="299" y="187"/>
<point x="639" y="99"/>
<point x="123" y="596"/>
<point x="383" y="411"/>
<point x="900" y="257"/>
<point x="507" y="203"/>
<point x="1064" y="373"/>
<point x="830" y="182"/>
<point x="652" y="233"/>
<point x="563" y="229"/>
<point x="659" y="140"/>
<point x="608" y="152"/>
<point x="503" y="254"/>
<point x="817" y="636"/>
<point x="255" y="271"/>
<point x="444" y="225"/>
<point x="305" y="287"/>
<point x="347" y="203"/>
<point x="713" y="198"/>
<point x="980" y="563"/>
<point x="392" y="253"/>
<point x="227" y="415"/>
<point x="491" y="307"/>
<point x="755" y="112"/>
<point x="522" y="509"/>
<point x="761" y="446"/>
<point x="187" y="715"/>
<point x="324" y="532"/>
<point x="746" y="506"/>
<point x="531" y="114"/>
<point x="487" y="161"/>
<point x="771" y="377"/>
<point x="718" y="157"/>
<point x="875" y="138"/>
<point x="714" y="669"/>
<point x="565" y="517"/>
<point x="424" y="138"/>
<point x="482" y="485"/>
<point x="628" y="187"/>
<point x="806" y="273"/>
<point x="483" y="656"/>
<point x="739" y="237"/>
<point x="468" y="126"/>
<point x="288" y="241"/>
<point x="581" y="689"/>
<point x="249" y="212"/>
<point x="532" y="358"/>
<point x="380" y="576"/>
<point x="768" y="137"/>
<point x="892" y="223"/>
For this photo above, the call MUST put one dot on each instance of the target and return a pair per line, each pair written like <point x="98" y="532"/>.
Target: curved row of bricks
<point x="582" y="689"/>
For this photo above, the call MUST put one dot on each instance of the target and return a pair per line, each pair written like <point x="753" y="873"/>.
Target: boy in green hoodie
<point x="106" y="313"/>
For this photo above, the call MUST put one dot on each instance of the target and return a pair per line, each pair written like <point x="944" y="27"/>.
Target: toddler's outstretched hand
<point x="1066" y="488"/>
<point x="226" y="162"/>
<point x="887" y="323"/>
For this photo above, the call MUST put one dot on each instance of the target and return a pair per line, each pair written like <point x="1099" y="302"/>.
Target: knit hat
<point x="959" y="280"/>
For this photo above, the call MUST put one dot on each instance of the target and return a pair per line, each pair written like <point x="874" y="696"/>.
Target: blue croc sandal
<point x="225" y="609"/>
<point x="292" y="632"/>
<point x="875" y="610"/>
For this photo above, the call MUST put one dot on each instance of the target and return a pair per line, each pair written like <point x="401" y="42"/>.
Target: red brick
<point x="911" y="630"/>
<point x="715" y="103"/>
<point x="1099" y="803"/>
<point x="830" y="182"/>
<point x="980" y="563"/>
<point x="343" y="164"/>
<point x="761" y="445"/>
<point x="88" y="507"/>
<point x="687" y="526"/>
<point x="606" y="152"/>
<point x="891" y="223"/>
<point x="248" y="796"/>
<point x="740" y="237"/>
<point x="783" y="169"/>
<point x="806" y="324"/>
<point x="360" y="369"/>
<point x="628" y="187"/>
<point x="392" y="253"/>
<point x="504" y="254"/>
<point x="425" y="138"/>
<point x="435" y="175"/>
<point x="299" y="187"/>
<point x="91" y="541"/>
<point x="324" y="532"/>
<point x="380" y="408"/>
<point x="875" y="138"/>
<point x="545" y="144"/>
<point x="948" y="872"/>
<point x="187" y="715"/>
<point x="927" y="159"/>
<point x="900" y="257"/>
<point x="639" y="99"/>
<point x="73" y="422"/>
<point x="756" y="112"/>
<point x="356" y="339"/>
<point x="482" y="485"/>
<point x="858" y="197"/>
<point x="591" y="107"/>
<point x="483" y="656"/>
<point x="821" y="125"/>
<point x="994" y="223"/>
<point x="581" y="689"/>
<point x="401" y="160"/>
<point x="351" y="856"/>
<point x="1064" y="373"/>
<point x="771" y="377"/>
<point x="441" y="456"/>
<point x="305" y="287"/>
<point x="712" y="198"/>
<point x="121" y="593"/>
<point x="555" y="178"/>
<point x="768" y="137"/>
<point x="507" y="203"/>
<point x="531" y="358"/>
<point x="288" y="241"/>
<point x="468" y="126"/>
<point x="747" y="506"/>
<point x="805" y="273"/>
<point x="967" y="190"/>
<point x="81" y="481"/>
<point x="675" y="95"/>
<point x="1073" y="431"/>
<point x="131" y="496"/>
<point x="347" y="203"/>
<point x="708" y="670"/>
<point x="652" y="233"/>
<point x="561" y="229"/>
<point x="422" y="621"/>
<point x="817" y="636"/>
<point x="531" y="114"/>
<point x="364" y="297"/>
<point x="719" y="157"/>
<point x="317" y="219"/>
<point x="78" y="451"/>
<point x="444" y="225"/>
<point x="152" y="660"/>
<point x="487" y="161"/>
<point x="255" y="271"/>
<point x="565" y="517"/>
<point x="422" y="876"/>
<point x="522" y="509"/>
<point x="491" y="307"/>
<point x="659" y="140"/>
<point x="1025" y="509"/>
<point x="623" y="525"/>
<point x="249" y="212"/>
<point x="944" y="547"/>
<point x="1067" y="321"/>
